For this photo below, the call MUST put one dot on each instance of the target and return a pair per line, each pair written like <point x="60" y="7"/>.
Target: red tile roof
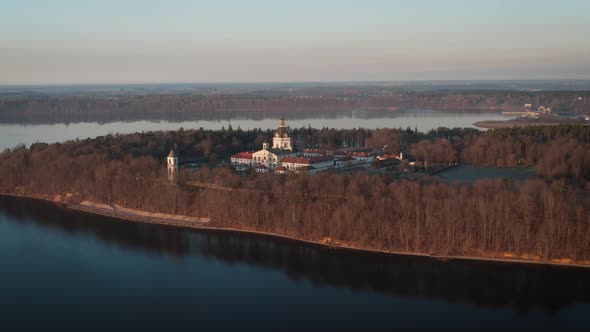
<point x="242" y="155"/>
<point x="388" y="156"/>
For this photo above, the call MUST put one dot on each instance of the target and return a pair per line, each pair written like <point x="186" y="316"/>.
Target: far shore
<point x="496" y="124"/>
<point x="202" y="223"/>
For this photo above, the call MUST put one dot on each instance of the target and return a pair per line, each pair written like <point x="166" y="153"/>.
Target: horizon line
<point x="4" y="85"/>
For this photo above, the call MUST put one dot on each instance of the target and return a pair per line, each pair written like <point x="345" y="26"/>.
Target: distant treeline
<point x="70" y="108"/>
<point x="548" y="217"/>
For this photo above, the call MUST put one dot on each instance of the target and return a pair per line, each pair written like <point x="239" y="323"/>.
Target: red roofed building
<point x="318" y="163"/>
<point x="362" y="156"/>
<point x="242" y="161"/>
<point x="391" y="156"/>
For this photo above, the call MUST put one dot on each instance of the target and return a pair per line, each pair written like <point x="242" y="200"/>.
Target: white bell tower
<point x="172" y="162"/>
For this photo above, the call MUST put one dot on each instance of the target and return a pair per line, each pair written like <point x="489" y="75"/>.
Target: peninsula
<point x="384" y="198"/>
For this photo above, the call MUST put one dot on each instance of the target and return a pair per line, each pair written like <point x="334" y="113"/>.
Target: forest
<point x="545" y="218"/>
<point x="256" y="104"/>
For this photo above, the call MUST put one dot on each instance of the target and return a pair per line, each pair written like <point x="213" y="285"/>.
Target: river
<point x="14" y="134"/>
<point x="64" y="270"/>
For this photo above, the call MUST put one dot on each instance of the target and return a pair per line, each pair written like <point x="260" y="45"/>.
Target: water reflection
<point x="12" y="134"/>
<point x="496" y="285"/>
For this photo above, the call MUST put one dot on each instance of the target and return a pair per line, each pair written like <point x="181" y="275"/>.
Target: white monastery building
<point x="281" y="158"/>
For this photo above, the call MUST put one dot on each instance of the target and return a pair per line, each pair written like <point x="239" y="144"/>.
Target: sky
<point x="181" y="41"/>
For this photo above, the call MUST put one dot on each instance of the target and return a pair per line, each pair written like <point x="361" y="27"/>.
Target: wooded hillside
<point x="548" y="217"/>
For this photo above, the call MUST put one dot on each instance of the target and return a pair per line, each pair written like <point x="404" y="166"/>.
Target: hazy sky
<point x="119" y="41"/>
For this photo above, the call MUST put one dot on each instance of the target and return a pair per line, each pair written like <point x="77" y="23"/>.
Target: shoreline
<point x="200" y="223"/>
<point x="499" y="124"/>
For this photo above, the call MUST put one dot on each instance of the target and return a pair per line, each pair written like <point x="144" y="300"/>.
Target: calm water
<point x="469" y="174"/>
<point x="62" y="270"/>
<point x="13" y="134"/>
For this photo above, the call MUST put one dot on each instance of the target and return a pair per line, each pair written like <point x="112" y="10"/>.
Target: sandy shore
<point x="202" y="223"/>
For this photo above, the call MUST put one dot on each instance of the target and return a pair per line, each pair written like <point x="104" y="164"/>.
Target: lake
<point x="14" y="134"/>
<point x="64" y="270"/>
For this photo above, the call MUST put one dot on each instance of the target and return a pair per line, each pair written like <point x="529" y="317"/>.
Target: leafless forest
<point x="207" y="105"/>
<point x="546" y="218"/>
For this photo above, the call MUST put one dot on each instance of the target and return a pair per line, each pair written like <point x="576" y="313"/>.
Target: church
<point x="272" y="159"/>
<point x="269" y="159"/>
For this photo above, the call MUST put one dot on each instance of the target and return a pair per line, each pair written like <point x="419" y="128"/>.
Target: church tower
<point x="172" y="162"/>
<point x="281" y="139"/>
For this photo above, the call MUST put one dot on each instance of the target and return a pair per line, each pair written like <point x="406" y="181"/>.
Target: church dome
<point x="282" y="131"/>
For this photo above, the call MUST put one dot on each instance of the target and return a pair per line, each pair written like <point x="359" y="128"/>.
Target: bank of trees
<point x="556" y="152"/>
<point x="547" y="217"/>
<point x="202" y="105"/>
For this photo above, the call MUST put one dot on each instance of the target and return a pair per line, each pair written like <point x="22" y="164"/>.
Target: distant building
<point x="281" y="170"/>
<point x="399" y="156"/>
<point x="172" y="165"/>
<point x="282" y="139"/>
<point x="362" y="156"/>
<point x="268" y="159"/>
<point x="344" y="161"/>
<point x="314" y="152"/>
<point x="261" y="169"/>
<point x="544" y="110"/>
<point x="317" y="163"/>
<point x="284" y="157"/>
<point x="242" y="161"/>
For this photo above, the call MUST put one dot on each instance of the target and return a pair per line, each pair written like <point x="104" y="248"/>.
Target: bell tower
<point x="172" y="164"/>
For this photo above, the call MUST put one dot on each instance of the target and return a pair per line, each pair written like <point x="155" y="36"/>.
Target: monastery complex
<point x="286" y="156"/>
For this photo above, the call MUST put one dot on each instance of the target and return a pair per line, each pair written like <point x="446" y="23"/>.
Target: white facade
<point x="172" y="165"/>
<point x="266" y="158"/>
<point x="242" y="161"/>
<point x="317" y="163"/>
<point x="281" y="139"/>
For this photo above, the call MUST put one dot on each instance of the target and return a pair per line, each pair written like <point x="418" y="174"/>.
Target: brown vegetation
<point x="548" y="217"/>
<point x="41" y="108"/>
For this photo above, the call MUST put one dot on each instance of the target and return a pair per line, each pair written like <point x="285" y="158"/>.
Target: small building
<point x="344" y="161"/>
<point x="399" y="156"/>
<point x="362" y="156"/>
<point x="306" y="170"/>
<point x="271" y="158"/>
<point x="281" y="170"/>
<point x="261" y="169"/>
<point x="385" y="164"/>
<point x="314" y="152"/>
<point x="172" y="165"/>
<point x="242" y="161"/>
<point x="318" y="163"/>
